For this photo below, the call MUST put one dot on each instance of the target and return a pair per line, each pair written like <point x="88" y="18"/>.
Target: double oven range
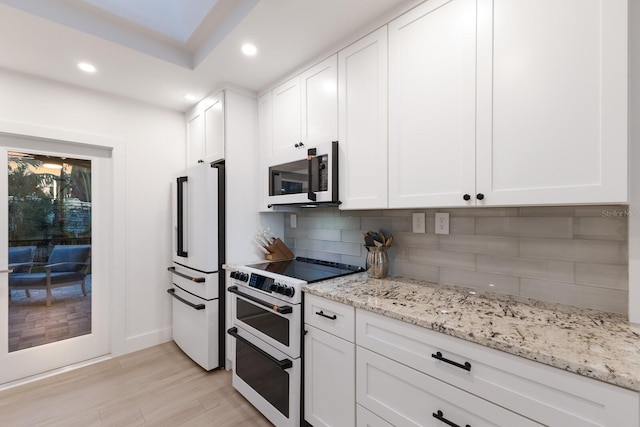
<point x="267" y="330"/>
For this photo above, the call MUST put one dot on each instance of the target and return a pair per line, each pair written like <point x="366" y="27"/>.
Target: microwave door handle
<point x="311" y="152"/>
<point x="181" y="220"/>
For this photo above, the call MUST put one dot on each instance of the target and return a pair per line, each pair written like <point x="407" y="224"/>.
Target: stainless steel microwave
<point x="305" y="177"/>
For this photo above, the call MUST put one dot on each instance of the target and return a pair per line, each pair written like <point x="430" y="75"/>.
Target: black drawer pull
<point x="440" y="416"/>
<point x="321" y="313"/>
<point x="466" y="366"/>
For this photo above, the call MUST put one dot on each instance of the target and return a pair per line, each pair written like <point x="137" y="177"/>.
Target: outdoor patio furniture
<point x="21" y="261"/>
<point x="67" y="265"/>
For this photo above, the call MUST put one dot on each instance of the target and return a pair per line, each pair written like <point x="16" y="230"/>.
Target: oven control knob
<point x="234" y="274"/>
<point x="289" y="291"/>
<point x="274" y="286"/>
<point x="244" y="277"/>
<point x="281" y="288"/>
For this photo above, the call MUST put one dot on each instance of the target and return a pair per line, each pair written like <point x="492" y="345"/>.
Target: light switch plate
<point x="294" y="220"/>
<point x="442" y="223"/>
<point x="418" y="222"/>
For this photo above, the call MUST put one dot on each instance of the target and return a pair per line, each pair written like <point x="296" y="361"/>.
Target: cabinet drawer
<point x="330" y="316"/>
<point x="366" y="418"/>
<point x="403" y="396"/>
<point x="549" y="395"/>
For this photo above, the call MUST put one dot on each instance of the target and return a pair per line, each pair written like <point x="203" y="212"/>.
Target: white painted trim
<point x="634" y="161"/>
<point x="117" y="146"/>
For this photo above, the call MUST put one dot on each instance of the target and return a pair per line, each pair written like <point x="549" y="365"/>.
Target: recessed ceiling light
<point x="86" y="67"/>
<point x="249" y="49"/>
<point x="189" y="97"/>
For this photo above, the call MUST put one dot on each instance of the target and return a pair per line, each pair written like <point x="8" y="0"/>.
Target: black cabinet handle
<point x="193" y="279"/>
<point x="466" y="366"/>
<point x="172" y="292"/>
<point x="282" y="364"/>
<point x="440" y="416"/>
<point x="479" y="196"/>
<point x="321" y="313"/>
<point x="466" y="197"/>
<point x="282" y="309"/>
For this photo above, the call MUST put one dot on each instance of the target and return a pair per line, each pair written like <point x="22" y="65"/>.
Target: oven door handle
<point x="282" y="364"/>
<point x="282" y="309"/>
<point x="172" y="292"/>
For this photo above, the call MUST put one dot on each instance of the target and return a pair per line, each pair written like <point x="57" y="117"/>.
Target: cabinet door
<point x="195" y="138"/>
<point x="362" y="118"/>
<point x="320" y="103"/>
<point x="405" y="397"/>
<point x="552" y="101"/>
<point x="214" y="130"/>
<point x="286" y="117"/>
<point x="365" y="418"/>
<point x="432" y="51"/>
<point x="329" y="379"/>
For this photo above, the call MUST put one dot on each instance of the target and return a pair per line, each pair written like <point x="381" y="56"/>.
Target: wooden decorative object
<point x="278" y="251"/>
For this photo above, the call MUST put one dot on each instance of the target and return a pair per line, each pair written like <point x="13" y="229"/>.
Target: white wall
<point x="154" y="143"/>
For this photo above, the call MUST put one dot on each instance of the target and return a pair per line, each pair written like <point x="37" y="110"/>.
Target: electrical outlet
<point x="442" y="223"/>
<point x="294" y="220"/>
<point x="418" y="222"/>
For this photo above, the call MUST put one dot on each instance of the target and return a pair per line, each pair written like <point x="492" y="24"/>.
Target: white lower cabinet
<point x="329" y="363"/>
<point x="366" y="418"/>
<point x="411" y="361"/>
<point x="406" y="397"/>
<point x="366" y="369"/>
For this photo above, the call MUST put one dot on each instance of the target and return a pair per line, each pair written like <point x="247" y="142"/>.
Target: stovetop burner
<point x="308" y="269"/>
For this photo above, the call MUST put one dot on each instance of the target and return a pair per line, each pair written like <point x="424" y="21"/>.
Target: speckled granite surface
<point x="599" y="345"/>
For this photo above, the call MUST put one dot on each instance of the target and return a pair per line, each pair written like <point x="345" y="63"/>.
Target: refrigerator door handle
<point x="181" y="220"/>
<point x="193" y="279"/>
<point x="172" y="292"/>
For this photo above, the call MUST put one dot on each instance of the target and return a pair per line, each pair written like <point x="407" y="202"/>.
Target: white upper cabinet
<point x="432" y="52"/>
<point x="205" y="131"/>
<point x="362" y="118"/>
<point x="286" y="118"/>
<point x="305" y="110"/>
<point x="319" y="113"/>
<point x="552" y="101"/>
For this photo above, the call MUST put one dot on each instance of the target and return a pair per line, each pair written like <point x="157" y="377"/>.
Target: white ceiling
<point x="160" y="50"/>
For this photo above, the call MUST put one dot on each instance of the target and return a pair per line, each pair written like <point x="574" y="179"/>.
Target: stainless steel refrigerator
<point x="198" y="254"/>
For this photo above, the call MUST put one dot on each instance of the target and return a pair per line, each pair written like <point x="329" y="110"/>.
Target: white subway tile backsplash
<point x="600" y="228"/>
<point x="509" y="285"/>
<point x="460" y="260"/>
<point x="342" y="248"/>
<point x="479" y="244"/>
<point x="332" y="222"/>
<point x="570" y="254"/>
<point x="415" y="240"/>
<point x="418" y="271"/>
<point x="602" y="275"/>
<point x="525" y="227"/>
<point x="577" y="295"/>
<point x="526" y="267"/>
<point x="460" y="225"/>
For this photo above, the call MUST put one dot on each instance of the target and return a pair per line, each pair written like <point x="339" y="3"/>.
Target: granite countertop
<point x="596" y="344"/>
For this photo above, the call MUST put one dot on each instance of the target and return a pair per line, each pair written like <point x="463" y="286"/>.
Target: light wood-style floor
<point x="158" y="386"/>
